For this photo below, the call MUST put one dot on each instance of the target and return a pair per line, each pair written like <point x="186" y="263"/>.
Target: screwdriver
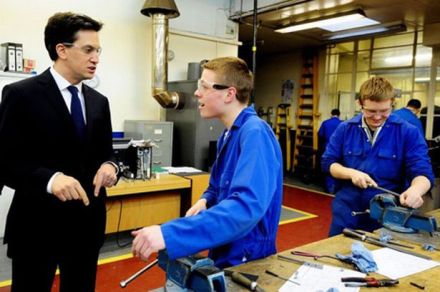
<point x="282" y="278"/>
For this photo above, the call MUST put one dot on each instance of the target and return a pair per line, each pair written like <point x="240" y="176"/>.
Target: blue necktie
<point x="76" y="112"/>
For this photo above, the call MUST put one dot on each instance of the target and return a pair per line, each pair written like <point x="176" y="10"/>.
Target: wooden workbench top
<point x="164" y="183"/>
<point x="337" y="244"/>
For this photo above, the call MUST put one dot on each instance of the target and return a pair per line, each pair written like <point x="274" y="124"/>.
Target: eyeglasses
<point x="203" y="85"/>
<point x="370" y="113"/>
<point x="87" y="49"/>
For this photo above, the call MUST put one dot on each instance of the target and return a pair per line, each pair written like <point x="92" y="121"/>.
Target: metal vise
<point x="192" y="273"/>
<point x="386" y="210"/>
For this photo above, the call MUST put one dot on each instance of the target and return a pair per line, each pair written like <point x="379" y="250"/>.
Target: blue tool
<point x="385" y="208"/>
<point x="192" y="273"/>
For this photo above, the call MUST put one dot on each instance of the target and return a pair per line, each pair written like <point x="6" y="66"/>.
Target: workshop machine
<point x="192" y="273"/>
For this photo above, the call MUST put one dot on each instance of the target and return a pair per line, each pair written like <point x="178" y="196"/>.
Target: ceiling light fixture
<point x="336" y="22"/>
<point x="366" y="31"/>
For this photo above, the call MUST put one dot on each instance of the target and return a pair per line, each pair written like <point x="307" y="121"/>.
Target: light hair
<point x="376" y="89"/>
<point x="234" y="72"/>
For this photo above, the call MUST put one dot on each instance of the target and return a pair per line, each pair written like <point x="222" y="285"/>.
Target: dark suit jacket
<point x="38" y="139"/>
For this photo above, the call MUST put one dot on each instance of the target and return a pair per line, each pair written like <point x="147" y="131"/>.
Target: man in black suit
<point x="57" y="155"/>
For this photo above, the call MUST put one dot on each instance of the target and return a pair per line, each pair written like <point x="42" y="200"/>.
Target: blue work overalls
<point x="244" y="199"/>
<point x="399" y="154"/>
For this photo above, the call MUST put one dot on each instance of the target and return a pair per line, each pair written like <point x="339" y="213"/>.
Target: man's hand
<point x="412" y="197"/>
<point x="67" y="188"/>
<point x="199" y="206"/>
<point x="147" y="241"/>
<point x="357" y="177"/>
<point x="361" y="179"/>
<point x="104" y="177"/>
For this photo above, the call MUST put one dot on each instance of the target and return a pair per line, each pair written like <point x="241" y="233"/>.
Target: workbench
<point x="136" y="203"/>
<point x="338" y="244"/>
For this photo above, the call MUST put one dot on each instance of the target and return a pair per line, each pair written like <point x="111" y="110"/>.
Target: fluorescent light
<point x="358" y="22"/>
<point x="365" y="31"/>
<point x="336" y="23"/>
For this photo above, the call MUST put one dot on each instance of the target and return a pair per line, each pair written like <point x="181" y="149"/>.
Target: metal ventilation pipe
<point x="160" y="11"/>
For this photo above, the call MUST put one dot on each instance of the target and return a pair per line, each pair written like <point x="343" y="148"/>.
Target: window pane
<point x="364" y="44"/>
<point x="333" y="66"/>
<point x="400" y="79"/>
<point x="343" y="48"/>
<point x="363" y="61"/>
<point x="331" y="87"/>
<point x="394" y="57"/>
<point x="345" y="62"/>
<point x="395" y="40"/>
<point x="424" y="56"/>
<point x="344" y="82"/>
<point x="360" y="78"/>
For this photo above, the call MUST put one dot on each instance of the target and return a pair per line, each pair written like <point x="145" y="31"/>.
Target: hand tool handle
<point x="350" y="233"/>
<point x="245" y="282"/>
<point x="124" y="283"/>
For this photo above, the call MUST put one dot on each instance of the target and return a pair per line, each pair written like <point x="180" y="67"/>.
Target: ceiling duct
<point x="160" y="11"/>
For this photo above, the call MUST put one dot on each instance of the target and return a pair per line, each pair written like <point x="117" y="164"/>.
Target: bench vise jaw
<point x="192" y="273"/>
<point x="387" y="211"/>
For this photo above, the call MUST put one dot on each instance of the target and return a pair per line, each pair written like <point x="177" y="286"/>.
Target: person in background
<point x="375" y="148"/>
<point x="237" y="216"/>
<point x="324" y="133"/>
<point x="410" y="114"/>
<point x="58" y="158"/>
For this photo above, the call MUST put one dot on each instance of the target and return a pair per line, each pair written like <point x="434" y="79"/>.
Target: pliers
<point x="368" y="282"/>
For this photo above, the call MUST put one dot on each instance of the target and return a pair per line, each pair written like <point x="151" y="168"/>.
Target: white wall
<point x="126" y="39"/>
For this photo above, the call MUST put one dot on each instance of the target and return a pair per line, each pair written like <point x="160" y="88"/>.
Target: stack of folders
<point x="11" y="57"/>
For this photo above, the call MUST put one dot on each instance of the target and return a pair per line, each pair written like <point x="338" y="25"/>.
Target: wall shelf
<point x="15" y="74"/>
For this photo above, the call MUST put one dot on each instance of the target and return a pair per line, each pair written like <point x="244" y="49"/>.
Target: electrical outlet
<point x="230" y="29"/>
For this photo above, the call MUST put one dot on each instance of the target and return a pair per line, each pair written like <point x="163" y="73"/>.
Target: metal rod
<point x="254" y="50"/>
<point x="385" y="190"/>
<point x="124" y="283"/>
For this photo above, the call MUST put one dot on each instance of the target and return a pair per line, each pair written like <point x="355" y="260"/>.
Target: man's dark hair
<point x="336" y="112"/>
<point x="62" y="28"/>
<point x="414" y="103"/>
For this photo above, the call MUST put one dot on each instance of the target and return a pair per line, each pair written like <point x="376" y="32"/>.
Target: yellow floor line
<point x="115" y="259"/>
<point x="5" y="283"/>
<point x="305" y="217"/>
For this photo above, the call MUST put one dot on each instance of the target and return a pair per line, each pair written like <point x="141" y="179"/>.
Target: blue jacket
<point x="244" y="199"/>
<point x="399" y="155"/>
<point x="327" y="128"/>
<point x="410" y="117"/>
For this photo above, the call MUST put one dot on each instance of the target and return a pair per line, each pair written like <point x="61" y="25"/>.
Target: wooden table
<point x="135" y="203"/>
<point x="339" y="244"/>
